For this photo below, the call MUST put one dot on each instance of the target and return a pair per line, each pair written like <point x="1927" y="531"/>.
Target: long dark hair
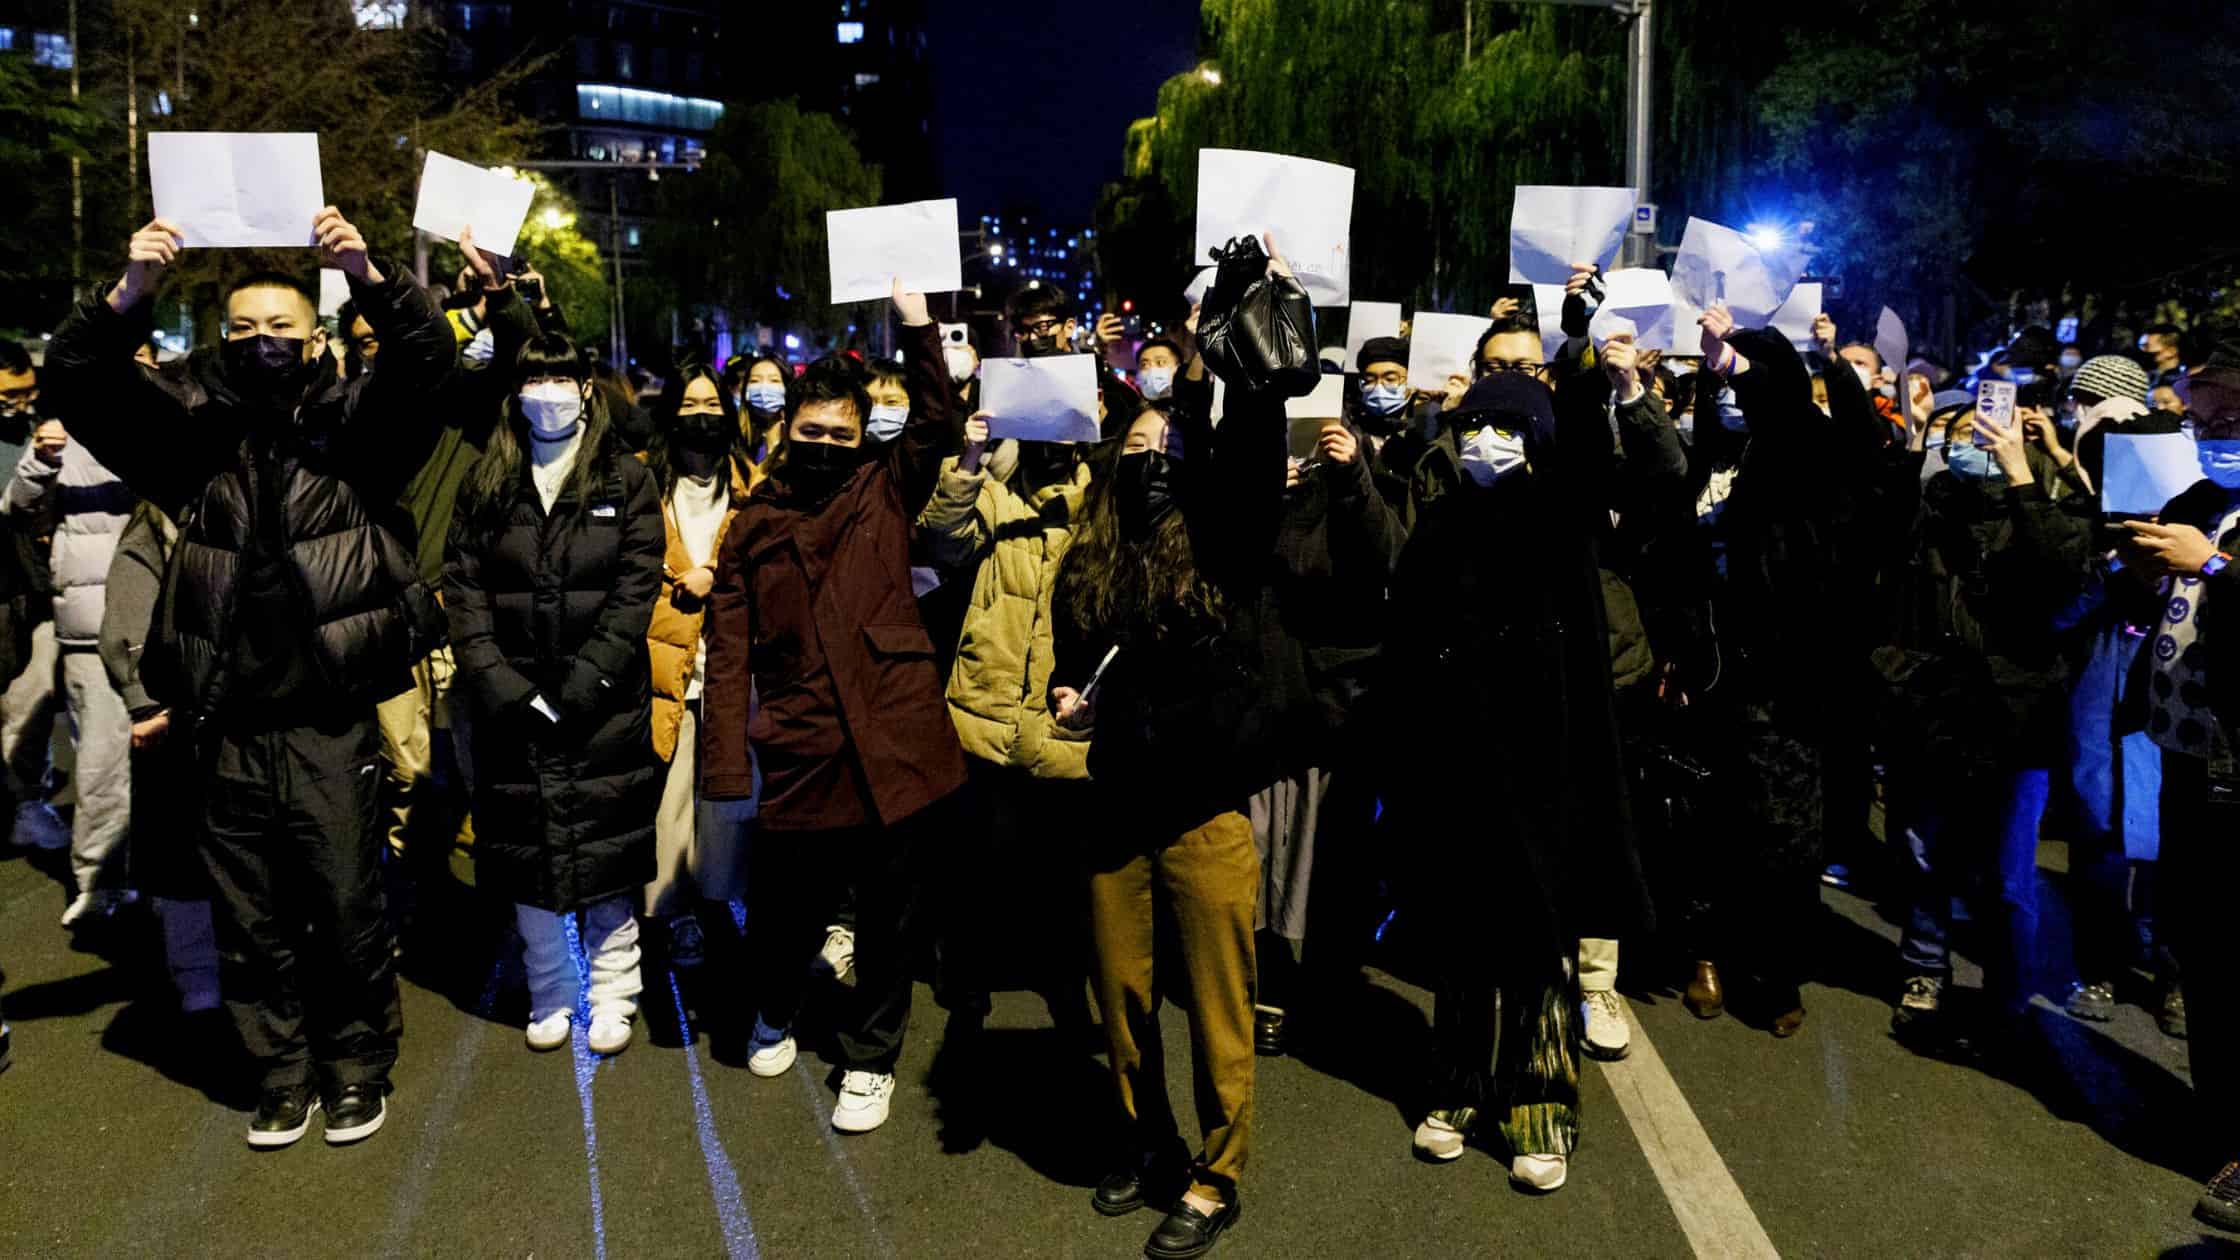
<point x="658" y="457"/>
<point x="1107" y="581"/>
<point x="494" y="479"/>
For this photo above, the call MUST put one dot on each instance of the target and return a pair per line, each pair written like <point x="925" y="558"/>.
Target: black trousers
<point x="795" y="881"/>
<point x="1001" y="856"/>
<point x="291" y="842"/>
<point x="2200" y="868"/>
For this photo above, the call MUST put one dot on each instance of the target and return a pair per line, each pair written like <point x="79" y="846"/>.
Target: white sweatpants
<point x="1598" y="965"/>
<point x="610" y="942"/>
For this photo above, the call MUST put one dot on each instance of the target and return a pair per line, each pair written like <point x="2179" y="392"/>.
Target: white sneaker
<point x="771" y="1052"/>
<point x="1441" y="1137"/>
<point x="610" y="1034"/>
<point x="38" y="826"/>
<point x="551" y="1032"/>
<point x="863" y="1101"/>
<point x="838" y="957"/>
<point x="1539" y="1172"/>
<point x="1608" y="1034"/>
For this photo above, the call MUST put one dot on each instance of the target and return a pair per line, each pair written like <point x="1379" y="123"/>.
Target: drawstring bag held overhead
<point x="1257" y="329"/>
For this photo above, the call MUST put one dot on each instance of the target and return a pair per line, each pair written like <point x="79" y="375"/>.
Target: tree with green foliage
<point x="41" y="129"/>
<point x="746" y="234"/>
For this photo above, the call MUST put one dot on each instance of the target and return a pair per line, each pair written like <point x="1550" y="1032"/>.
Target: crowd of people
<point x="798" y="671"/>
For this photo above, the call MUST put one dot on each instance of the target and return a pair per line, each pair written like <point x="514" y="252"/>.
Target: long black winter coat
<point x="556" y="605"/>
<point x="1505" y="778"/>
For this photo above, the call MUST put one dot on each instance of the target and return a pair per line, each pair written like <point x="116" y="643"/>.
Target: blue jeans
<point x="1956" y="846"/>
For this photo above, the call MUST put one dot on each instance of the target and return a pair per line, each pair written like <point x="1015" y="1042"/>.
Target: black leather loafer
<point x="1267" y="1031"/>
<point x="1154" y="1180"/>
<point x="1188" y="1232"/>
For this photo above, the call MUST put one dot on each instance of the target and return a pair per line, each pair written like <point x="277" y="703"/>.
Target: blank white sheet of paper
<point x="1306" y="205"/>
<point x="235" y="189"/>
<point x="1367" y="320"/>
<point x="869" y="248"/>
<point x="1547" y="303"/>
<point x="1794" y="319"/>
<point x="456" y="194"/>
<point x="1553" y="226"/>
<point x="1048" y="399"/>
<point x="1326" y="401"/>
<point x="334" y="290"/>
<point x="2141" y="472"/>
<point x="1718" y="264"/>
<point x="1440" y="346"/>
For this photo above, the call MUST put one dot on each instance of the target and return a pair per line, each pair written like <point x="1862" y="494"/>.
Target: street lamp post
<point x="618" y="335"/>
<point x="1640" y="248"/>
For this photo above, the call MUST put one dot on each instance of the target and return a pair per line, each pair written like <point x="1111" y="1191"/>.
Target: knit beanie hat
<point x="2110" y="376"/>
<point x="1395" y="350"/>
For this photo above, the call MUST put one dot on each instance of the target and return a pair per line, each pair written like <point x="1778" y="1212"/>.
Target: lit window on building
<point x="52" y="51"/>
<point x="850" y="32"/>
<point x="624" y="55"/>
<point x="380" y="15"/>
<point x="631" y="236"/>
<point x="650" y="109"/>
<point x="866" y="80"/>
<point x="7" y="39"/>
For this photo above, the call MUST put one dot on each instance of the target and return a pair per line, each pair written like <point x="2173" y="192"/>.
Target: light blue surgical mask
<point x="1969" y="462"/>
<point x="766" y="396"/>
<point x="1157" y="382"/>
<point x="885" y="423"/>
<point x="1385" y="399"/>
<point x="2220" y="461"/>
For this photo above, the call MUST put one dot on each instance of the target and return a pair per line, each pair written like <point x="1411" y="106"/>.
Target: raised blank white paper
<point x="1554" y="226"/>
<point x="1326" y="401"/>
<point x="1643" y="297"/>
<point x="870" y="248"/>
<point x="456" y="194"/>
<point x="1440" y="346"/>
<point x="334" y="290"/>
<point x="1195" y="291"/>
<point x="235" y="189"/>
<point x="1794" y="319"/>
<point x="1365" y="321"/>
<point x="1048" y="399"/>
<point x="1547" y="303"/>
<point x="1719" y="264"/>
<point x="1890" y="340"/>
<point x="2141" y="472"/>
<point x="1306" y="205"/>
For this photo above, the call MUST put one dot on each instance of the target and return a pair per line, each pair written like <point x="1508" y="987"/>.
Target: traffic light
<point x="1127" y="306"/>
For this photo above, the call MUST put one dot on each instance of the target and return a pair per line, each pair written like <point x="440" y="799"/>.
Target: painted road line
<point x="812" y="1095"/>
<point x="586" y="1065"/>
<point x="1713" y="1214"/>
<point x="723" y="1180"/>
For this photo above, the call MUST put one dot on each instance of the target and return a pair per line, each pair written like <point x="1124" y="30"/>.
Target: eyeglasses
<point x="1041" y="327"/>
<point x="1394" y="377"/>
<point x="1528" y="366"/>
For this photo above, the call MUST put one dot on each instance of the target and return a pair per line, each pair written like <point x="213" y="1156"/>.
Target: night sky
<point x="1033" y="101"/>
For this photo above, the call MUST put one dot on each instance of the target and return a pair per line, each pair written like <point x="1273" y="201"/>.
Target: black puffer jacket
<point x="183" y="438"/>
<point x="556" y="605"/>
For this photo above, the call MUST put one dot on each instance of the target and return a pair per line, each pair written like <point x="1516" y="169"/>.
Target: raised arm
<point x="931" y="433"/>
<point x="29" y="500"/>
<point x="956" y="524"/>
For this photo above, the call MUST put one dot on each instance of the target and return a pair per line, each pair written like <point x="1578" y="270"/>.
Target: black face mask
<point x="818" y="468"/>
<point x="1145" y="486"/>
<point x="264" y="369"/>
<point x="706" y="432"/>
<point x="1045" y="462"/>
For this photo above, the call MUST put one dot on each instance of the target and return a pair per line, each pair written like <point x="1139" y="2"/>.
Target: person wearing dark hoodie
<point x="291" y="606"/>
<point x="1498" y="612"/>
<point x="1981" y="690"/>
<point x="1783" y="556"/>
<point x="2187" y="689"/>
<point x="1160" y="651"/>
<point x="1322" y="622"/>
<point x="859" y="759"/>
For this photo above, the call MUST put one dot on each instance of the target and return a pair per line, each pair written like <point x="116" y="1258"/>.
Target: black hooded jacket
<point x="314" y="487"/>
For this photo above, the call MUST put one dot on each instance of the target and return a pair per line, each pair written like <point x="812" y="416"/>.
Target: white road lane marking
<point x="1712" y="1212"/>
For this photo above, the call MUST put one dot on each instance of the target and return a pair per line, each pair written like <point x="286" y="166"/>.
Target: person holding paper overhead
<point x="291" y="609"/>
<point x="1157" y="634"/>
<point x="859" y="760"/>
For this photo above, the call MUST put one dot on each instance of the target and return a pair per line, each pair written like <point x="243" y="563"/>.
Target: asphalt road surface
<point x="118" y="1137"/>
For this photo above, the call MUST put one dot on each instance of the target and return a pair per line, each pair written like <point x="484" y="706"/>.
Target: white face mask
<point x="554" y="409"/>
<point x="885" y="423"/>
<point x="1157" y="382"/>
<point x="1490" y="454"/>
<point x="962" y="363"/>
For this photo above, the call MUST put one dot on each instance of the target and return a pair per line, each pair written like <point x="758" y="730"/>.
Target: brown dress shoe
<point x="1706" y="996"/>
<point x="1787" y="1025"/>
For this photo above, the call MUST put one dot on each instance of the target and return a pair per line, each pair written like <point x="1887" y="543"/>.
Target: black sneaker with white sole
<point x="356" y="1114"/>
<point x="283" y="1116"/>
